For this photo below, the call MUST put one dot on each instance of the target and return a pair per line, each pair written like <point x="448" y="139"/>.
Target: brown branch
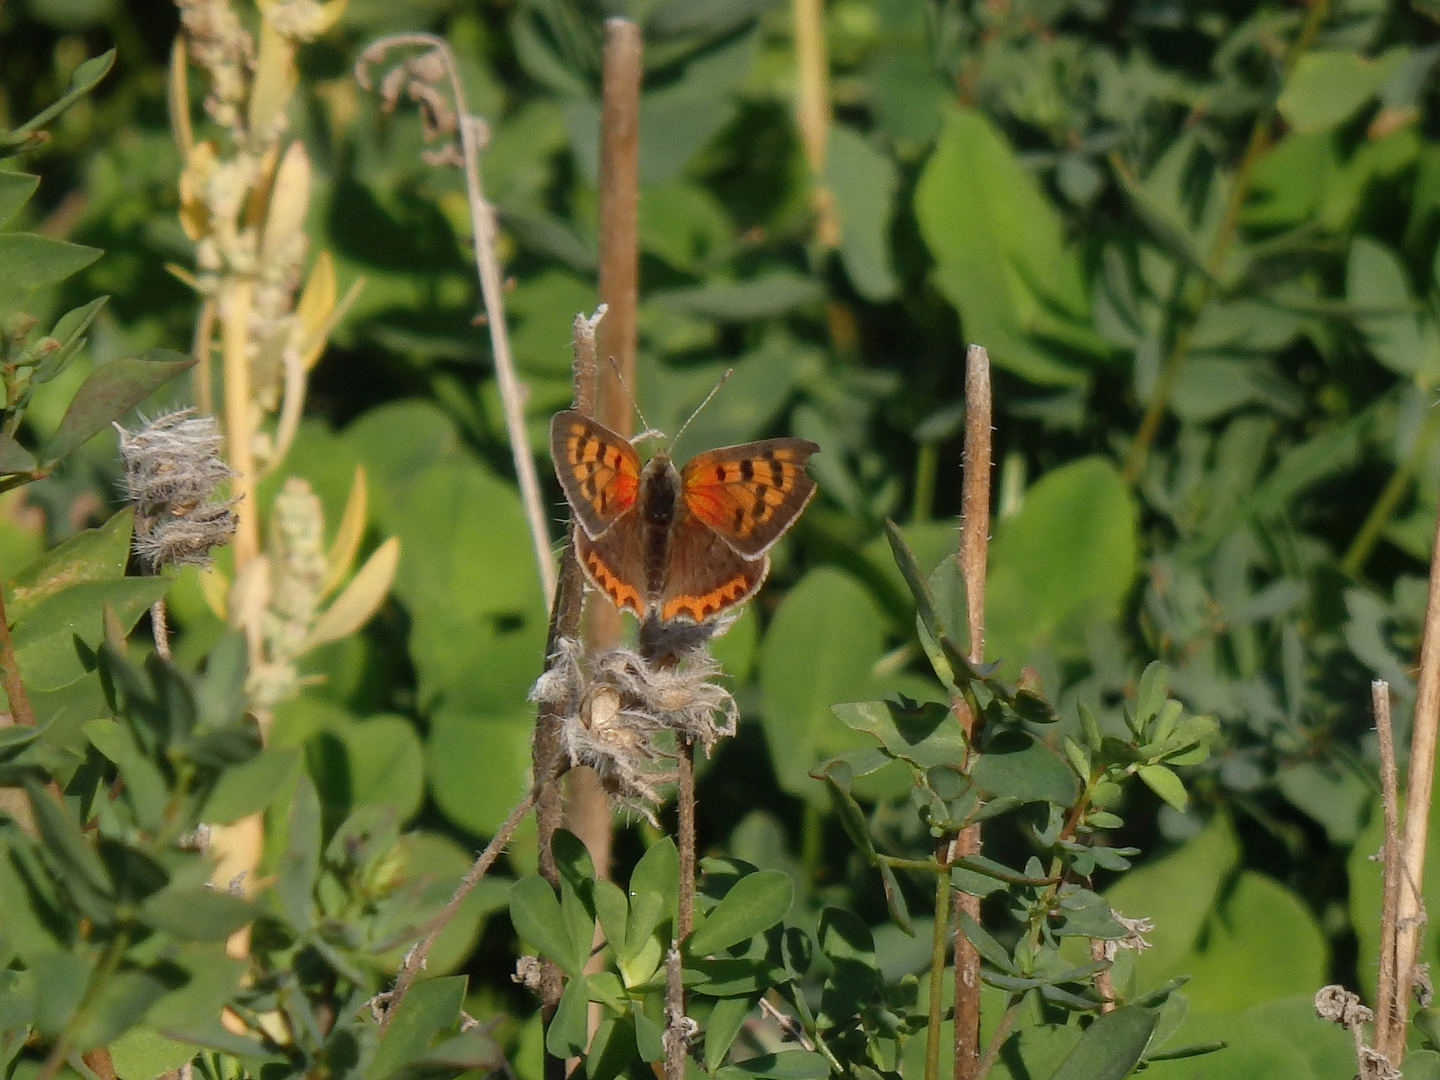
<point x="1410" y="919"/>
<point x="1385" y="984"/>
<point x="973" y="553"/>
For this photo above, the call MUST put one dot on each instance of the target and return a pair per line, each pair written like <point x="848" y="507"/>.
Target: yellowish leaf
<point x="289" y="202"/>
<point x="274" y="80"/>
<point x="178" y="95"/>
<point x="347" y="538"/>
<point x="360" y="599"/>
<point x="329" y="15"/>
<point x="317" y="301"/>
<point x="194" y="213"/>
<point x="215" y="588"/>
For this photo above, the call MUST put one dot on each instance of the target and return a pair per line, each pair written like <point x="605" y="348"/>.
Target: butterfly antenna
<point x="646" y="431"/>
<point x="713" y="391"/>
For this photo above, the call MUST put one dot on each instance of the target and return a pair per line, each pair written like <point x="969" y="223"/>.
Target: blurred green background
<point x="1222" y="216"/>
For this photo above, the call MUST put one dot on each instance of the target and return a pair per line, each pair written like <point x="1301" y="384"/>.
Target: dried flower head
<point x="1135" y="939"/>
<point x="620" y="714"/>
<point x="172" y="470"/>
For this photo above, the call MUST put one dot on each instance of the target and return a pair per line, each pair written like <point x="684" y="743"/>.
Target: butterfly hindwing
<point x="704" y="575"/>
<point x="750" y="493"/>
<point x="599" y="470"/>
<point x="613" y="563"/>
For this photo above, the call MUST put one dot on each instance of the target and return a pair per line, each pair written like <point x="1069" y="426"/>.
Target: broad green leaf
<point x="470" y="1051"/>
<point x="1111" y="1046"/>
<point x="927" y="734"/>
<point x="144" y="1054"/>
<point x="1017" y="765"/>
<point x="1068" y="556"/>
<point x="145" y="786"/>
<point x="34" y="262"/>
<point x="61" y="979"/>
<point x="567" y="1034"/>
<point x="1377" y="286"/>
<point x="755" y="903"/>
<point x="110" y="391"/>
<point x="999" y="249"/>
<point x="90" y="555"/>
<point x="822" y="642"/>
<point x="430" y="1007"/>
<point x="657" y="873"/>
<point x="300" y="862"/>
<point x="249" y="788"/>
<point x="15" y="191"/>
<point x="1164" y="782"/>
<point x="477" y="764"/>
<point x="80" y="867"/>
<point x="785" y="1065"/>
<point x="613" y="912"/>
<point x="117" y="1005"/>
<point x="56" y="643"/>
<point x="535" y="912"/>
<point x="14" y="458"/>
<point x="863" y="181"/>
<point x="723" y="1024"/>
<point x="1327" y="86"/>
<point x="197" y="914"/>
<point x="1279" y="1040"/>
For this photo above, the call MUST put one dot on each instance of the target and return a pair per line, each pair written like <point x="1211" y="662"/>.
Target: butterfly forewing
<point x="599" y="470"/>
<point x="751" y="493"/>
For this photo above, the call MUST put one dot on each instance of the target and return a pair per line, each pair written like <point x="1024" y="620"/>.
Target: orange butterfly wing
<point x="598" y="469"/>
<point x="751" y="493"/>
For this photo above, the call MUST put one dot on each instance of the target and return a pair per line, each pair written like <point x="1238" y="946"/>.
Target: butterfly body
<point x="677" y="544"/>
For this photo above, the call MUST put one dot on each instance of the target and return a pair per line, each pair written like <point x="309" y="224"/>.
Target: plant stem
<point x="235" y="308"/>
<point x="1258" y="143"/>
<point x="20" y="710"/>
<point x="973" y="557"/>
<point x="1410" y="917"/>
<point x="415" y="959"/>
<point x="1002" y="1030"/>
<point x="160" y="629"/>
<point x="938" y="937"/>
<point x="1385" y="988"/>
<point x="927" y="464"/>
<point x="812" y="111"/>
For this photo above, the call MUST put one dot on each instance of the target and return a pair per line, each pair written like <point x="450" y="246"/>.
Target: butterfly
<point x="679" y="544"/>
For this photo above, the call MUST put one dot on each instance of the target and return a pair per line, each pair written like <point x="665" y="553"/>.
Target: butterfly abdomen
<point x="659" y="503"/>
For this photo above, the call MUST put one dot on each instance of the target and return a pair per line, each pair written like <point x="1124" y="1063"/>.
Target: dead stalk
<point x="1390" y="879"/>
<point x="974" y="546"/>
<point x="473" y="134"/>
<point x="1410" y="914"/>
<point x="414" y="961"/>
<point x="812" y="111"/>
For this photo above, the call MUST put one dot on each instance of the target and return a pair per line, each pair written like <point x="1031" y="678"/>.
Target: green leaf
<point x="1328" y="86"/>
<point x="118" y="1005"/>
<point x="428" y="1008"/>
<point x="80" y="867"/>
<point x="536" y="915"/>
<point x="823" y="640"/>
<point x="90" y="555"/>
<point x="1017" y="765"/>
<point x="754" y="904"/>
<point x="568" y="1031"/>
<point x="863" y="181"/>
<point x="57" y="642"/>
<point x="765" y="297"/>
<point x="110" y="391"/>
<point x="657" y="873"/>
<point x="60" y="982"/>
<point x="785" y="1065"/>
<point x="69" y="333"/>
<point x="300" y="863"/>
<point x="927" y="734"/>
<point x="1151" y="696"/>
<point x="1111" y="1046"/>
<point x="1166" y="784"/>
<point x="34" y="262"/>
<point x="197" y="913"/>
<point x="15" y="191"/>
<point x="989" y="949"/>
<point x="999" y="248"/>
<point x="251" y="787"/>
<point x="1378" y="288"/>
<point x="144" y="1054"/>
<point x="895" y="899"/>
<point x="14" y="458"/>
<point x="82" y="81"/>
<point x="145" y="786"/>
<point x="726" y="1019"/>
<point x="1067" y="558"/>
<point x="613" y="911"/>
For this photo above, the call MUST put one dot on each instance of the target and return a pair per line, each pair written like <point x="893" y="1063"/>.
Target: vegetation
<point x="1200" y="244"/>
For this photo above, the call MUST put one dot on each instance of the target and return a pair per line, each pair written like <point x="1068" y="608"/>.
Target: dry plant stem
<point x="812" y="111"/>
<point x="973" y="553"/>
<point x="1390" y="875"/>
<point x="415" y="958"/>
<point x="20" y="710"/>
<point x="1261" y="134"/>
<point x="685" y="825"/>
<point x="1104" y="980"/>
<point x="160" y="629"/>
<point x="234" y="343"/>
<point x="200" y="350"/>
<point x="1410" y="925"/>
<point x="675" y="1049"/>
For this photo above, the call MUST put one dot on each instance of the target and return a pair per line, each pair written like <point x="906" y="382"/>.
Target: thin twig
<point x="473" y="133"/>
<point x="160" y="628"/>
<point x="677" y="1036"/>
<point x="973" y="556"/>
<point x="415" y="959"/>
<point x="1104" y="978"/>
<point x="685" y="827"/>
<point x="1001" y="1033"/>
<point x="1390" y="875"/>
<point x="939" y="936"/>
<point x="1410" y="924"/>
